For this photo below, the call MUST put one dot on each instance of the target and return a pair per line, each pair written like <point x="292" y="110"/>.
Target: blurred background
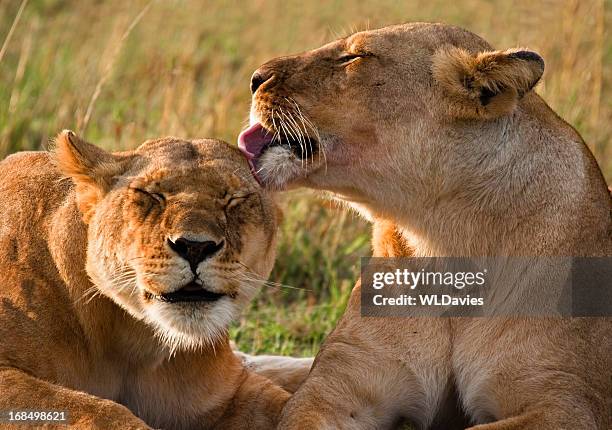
<point x="119" y="72"/>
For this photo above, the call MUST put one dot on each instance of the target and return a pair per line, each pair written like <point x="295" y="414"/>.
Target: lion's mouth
<point x="191" y="292"/>
<point x="256" y="139"/>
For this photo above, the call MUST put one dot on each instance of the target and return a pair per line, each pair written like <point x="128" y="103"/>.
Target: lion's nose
<point x="195" y="251"/>
<point x="260" y="76"/>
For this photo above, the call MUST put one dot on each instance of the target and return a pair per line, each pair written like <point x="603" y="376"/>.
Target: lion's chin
<point x="278" y="169"/>
<point x="191" y="327"/>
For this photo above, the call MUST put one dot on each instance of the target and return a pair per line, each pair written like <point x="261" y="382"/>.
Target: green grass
<point x="318" y="261"/>
<point x="184" y="67"/>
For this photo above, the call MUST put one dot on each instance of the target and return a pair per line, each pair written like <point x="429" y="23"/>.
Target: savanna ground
<point x="119" y="72"/>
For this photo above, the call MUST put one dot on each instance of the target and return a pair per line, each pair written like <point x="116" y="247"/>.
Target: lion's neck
<point x="501" y="193"/>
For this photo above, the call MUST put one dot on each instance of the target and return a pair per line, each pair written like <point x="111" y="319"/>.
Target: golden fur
<point x="438" y="139"/>
<point x="84" y="257"/>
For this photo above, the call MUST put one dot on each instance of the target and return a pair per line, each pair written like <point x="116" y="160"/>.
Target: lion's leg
<point x="366" y="377"/>
<point x="341" y="394"/>
<point x="22" y="392"/>
<point x="351" y="388"/>
<point x="257" y="404"/>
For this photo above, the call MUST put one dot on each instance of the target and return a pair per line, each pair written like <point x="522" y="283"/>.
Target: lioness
<point x="440" y="141"/>
<point x="119" y="274"/>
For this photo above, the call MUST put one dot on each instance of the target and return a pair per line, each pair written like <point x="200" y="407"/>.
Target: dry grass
<point x="120" y="72"/>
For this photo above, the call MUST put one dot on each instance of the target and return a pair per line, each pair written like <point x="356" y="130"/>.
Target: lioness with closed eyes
<point x="119" y="275"/>
<point x="439" y="140"/>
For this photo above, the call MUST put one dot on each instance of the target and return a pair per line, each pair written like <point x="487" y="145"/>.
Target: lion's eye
<point x="349" y="58"/>
<point x="236" y="200"/>
<point x="158" y="197"/>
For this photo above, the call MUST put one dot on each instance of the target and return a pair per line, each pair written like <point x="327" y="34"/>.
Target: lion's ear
<point x="91" y="168"/>
<point x="488" y="84"/>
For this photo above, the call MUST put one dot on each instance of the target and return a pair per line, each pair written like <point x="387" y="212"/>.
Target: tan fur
<point x="80" y="329"/>
<point x="438" y="139"/>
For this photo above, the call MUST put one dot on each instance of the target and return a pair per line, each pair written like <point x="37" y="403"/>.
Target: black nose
<point x="193" y="251"/>
<point x="259" y="77"/>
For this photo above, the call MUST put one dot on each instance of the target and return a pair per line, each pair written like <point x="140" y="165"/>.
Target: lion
<point x="440" y="141"/>
<point x="120" y="274"/>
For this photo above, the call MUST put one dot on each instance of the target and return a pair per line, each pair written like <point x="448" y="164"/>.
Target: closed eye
<point x="158" y="197"/>
<point x="236" y="200"/>
<point x="349" y="58"/>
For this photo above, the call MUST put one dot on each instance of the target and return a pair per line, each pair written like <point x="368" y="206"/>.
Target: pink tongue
<point x="253" y="140"/>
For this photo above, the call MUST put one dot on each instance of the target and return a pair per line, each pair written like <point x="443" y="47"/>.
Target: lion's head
<point x="383" y="109"/>
<point x="179" y="233"/>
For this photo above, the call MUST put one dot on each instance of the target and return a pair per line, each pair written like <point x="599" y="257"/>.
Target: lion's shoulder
<point x="31" y="186"/>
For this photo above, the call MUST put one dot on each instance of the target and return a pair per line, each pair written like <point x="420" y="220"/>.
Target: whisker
<point x="295" y="132"/>
<point x="298" y="131"/>
<point x="276" y="131"/>
<point x="267" y="282"/>
<point x="302" y="121"/>
<point x="302" y="140"/>
<point x="285" y="127"/>
<point x="308" y="123"/>
<point x="93" y="291"/>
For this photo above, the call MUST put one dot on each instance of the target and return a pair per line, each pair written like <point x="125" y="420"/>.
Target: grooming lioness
<point x="119" y="274"/>
<point x="441" y="142"/>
